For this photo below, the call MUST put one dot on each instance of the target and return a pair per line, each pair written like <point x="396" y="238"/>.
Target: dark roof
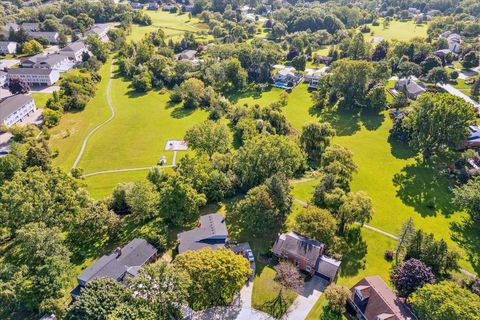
<point x="135" y="254"/>
<point x="381" y="301"/>
<point x="328" y="267"/>
<point x="12" y="104"/>
<point x="212" y="232"/>
<point x="298" y="245"/>
<point x="15" y="71"/>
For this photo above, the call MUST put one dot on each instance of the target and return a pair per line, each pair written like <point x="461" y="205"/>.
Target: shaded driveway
<point x="305" y="301"/>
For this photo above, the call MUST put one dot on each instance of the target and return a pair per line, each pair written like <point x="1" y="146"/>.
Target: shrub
<point x="389" y="255"/>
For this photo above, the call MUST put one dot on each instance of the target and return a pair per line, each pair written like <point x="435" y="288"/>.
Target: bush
<point x="454" y="75"/>
<point x="389" y="255"/>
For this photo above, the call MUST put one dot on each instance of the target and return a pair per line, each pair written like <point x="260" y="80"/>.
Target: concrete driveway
<point x="312" y="290"/>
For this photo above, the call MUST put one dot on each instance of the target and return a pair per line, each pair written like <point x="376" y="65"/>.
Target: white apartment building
<point x="74" y="51"/>
<point x="15" y="109"/>
<point x="35" y="76"/>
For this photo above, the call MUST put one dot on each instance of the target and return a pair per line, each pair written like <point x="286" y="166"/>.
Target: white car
<point x="249" y="255"/>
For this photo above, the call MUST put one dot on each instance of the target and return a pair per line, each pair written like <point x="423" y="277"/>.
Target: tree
<point x="9" y="164"/>
<point x="315" y="138"/>
<point x="279" y="188"/>
<point x="299" y="62"/>
<point x="235" y="74"/>
<point x="467" y="197"/>
<point x="438" y="74"/>
<point x="98" y="48"/>
<point x="357" y="49"/>
<point x="38" y="157"/>
<point x="162" y="287"/>
<point x="444" y="301"/>
<point x="377" y="98"/>
<point x="31" y="47"/>
<point x="475" y="90"/>
<point x="407" y="69"/>
<point x="470" y="60"/>
<point x="357" y="207"/>
<point x="429" y="63"/>
<point x="338" y="161"/>
<point x="278" y="30"/>
<point x="407" y="277"/>
<point x="289" y="278"/>
<point x="118" y="202"/>
<point x="84" y="22"/>
<point x="192" y="93"/>
<point x="337" y="296"/>
<point x="142" y="199"/>
<point x="438" y="120"/>
<point x="142" y="82"/>
<point x="349" y="80"/>
<point x="408" y="228"/>
<point x="316" y="223"/>
<point x="217" y="275"/>
<point x="266" y="155"/>
<point x="18" y="86"/>
<point x="179" y="202"/>
<point x="98" y="300"/>
<point x="209" y="137"/>
<point x="435" y="254"/>
<point x="256" y="213"/>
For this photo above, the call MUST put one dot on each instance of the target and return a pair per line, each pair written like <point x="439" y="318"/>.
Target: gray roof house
<point x="307" y="254"/>
<point x="412" y="88"/>
<point x="74" y="51"/>
<point x="122" y="262"/>
<point x="16" y="109"/>
<point x="187" y="55"/>
<point x="51" y="36"/>
<point x="30" y="26"/>
<point x="212" y="232"/>
<point x="8" y="47"/>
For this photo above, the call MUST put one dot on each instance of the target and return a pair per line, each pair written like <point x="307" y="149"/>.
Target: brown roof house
<point x="307" y="255"/>
<point x="372" y="299"/>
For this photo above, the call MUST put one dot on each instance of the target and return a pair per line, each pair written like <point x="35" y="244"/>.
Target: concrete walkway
<point x="452" y="90"/>
<point x="305" y="301"/>
<point x="112" y="110"/>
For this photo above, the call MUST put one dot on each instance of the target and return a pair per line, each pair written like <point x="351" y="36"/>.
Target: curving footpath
<point x="110" y="105"/>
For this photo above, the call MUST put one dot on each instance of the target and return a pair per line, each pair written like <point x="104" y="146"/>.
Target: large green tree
<point x="349" y="80"/>
<point x="445" y="301"/>
<point x="316" y="223"/>
<point x="438" y="120"/>
<point x="356" y="207"/>
<point x="209" y="137"/>
<point x="315" y="138"/>
<point x="217" y="275"/>
<point x="467" y="197"/>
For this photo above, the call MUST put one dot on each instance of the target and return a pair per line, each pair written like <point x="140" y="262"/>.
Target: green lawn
<point x="40" y="99"/>
<point x="398" y="30"/>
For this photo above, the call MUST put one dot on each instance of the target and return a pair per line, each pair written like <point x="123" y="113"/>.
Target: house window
<point x="296" y="263"/>
<point x="308" y="269"/>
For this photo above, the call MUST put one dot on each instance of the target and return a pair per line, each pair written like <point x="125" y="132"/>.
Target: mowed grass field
<point x="398" y="30"/>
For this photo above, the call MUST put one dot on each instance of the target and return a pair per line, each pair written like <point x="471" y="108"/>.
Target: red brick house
<point x="307" y="255"/>
<point x="372" y="299"/>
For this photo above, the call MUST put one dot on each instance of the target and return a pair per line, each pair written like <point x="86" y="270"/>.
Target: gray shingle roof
<point x="212" y="233"/>
<point x="298" y="245"/>
<point x="135" y="254"/>
<point x="12" y="104"/>
<point x="74" y="46"/>
<point x="15" y="71"/>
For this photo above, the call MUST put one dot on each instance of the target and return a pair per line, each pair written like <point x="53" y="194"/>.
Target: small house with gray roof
<point x="15" y="109"/>
<point x="307" y="254"/>
<point x="412" y="88"/>
<point x="123" y="262"/>
<point x="211" y="232"/>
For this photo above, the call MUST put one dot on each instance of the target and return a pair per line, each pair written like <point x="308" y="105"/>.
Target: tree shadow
<point x="422" y="187"/>
<point x="400" y="150"/>
<point x="372" y="120"/>
<point x="181" y="112"/>
<point x="234" y="97"/>
<point x="345" y="122"/>
<point x="354" y="259"/>
<point x="466" y="234"/>
<point x="132" y="93"/>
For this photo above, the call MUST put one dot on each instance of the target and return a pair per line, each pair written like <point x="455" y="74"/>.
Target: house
<point x="53" y="61"/>
<point x="123" y="262"/>
<point x="16" y="108"/>
<point x="51" y="36"/>
<point x="313" y="77"/>
<point x="211" y="232"/>
<point x="473" y="140"/>
<point x="9" y="26"/>
<point x="30" y="26"/>
<point x="307" y="254"/>
<point x="168" y="7"/>
<point x="187" y="55"/>
<point x="8" y="47"/>
<point x="35" y="76"/>
<point x="326" y="60"/>
<point x="75" y="50"/>
<point x="3" y="78"/>
<point x="372" y="299"/>
<point x="412" y="88"/>
<point x="188" y="8"/>
<point x="136" y="5"/>
<point x="454" y="40"/>
<point x="101" y="31"/>
<point x="153" y="6"/>
<point x="287" y="78"/>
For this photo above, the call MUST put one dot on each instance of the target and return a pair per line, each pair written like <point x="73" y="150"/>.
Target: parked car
<point x="249" y="255"/>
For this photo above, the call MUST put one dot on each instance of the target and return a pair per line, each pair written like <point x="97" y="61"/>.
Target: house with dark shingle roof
<point x="307" y="254"/>
<point x="123" y="262"/>
<point x="372" y="299"/>
<point x="211" y="232"/>
<point x="412" y="88"/>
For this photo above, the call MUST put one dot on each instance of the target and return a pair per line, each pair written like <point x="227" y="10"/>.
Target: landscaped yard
<point x="398" y="30"/>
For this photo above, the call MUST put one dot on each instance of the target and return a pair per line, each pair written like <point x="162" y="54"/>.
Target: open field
<point x="398" y="30"/>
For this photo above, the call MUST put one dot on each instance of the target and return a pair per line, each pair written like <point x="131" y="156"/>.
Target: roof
<point x="51" y="59"/>
<point x="74" y="46"/>
<point x="12" y="104"/>
<point x="20" y="71"/>
<point x="43" y="33"/>
<point x="382" y="302"/>
<point x="135" y="254"/>
<point x="187" y="55"/>
<point x="212" y="233"/>
<point x="328" y="267"/>
<point x="6" y="43"/>
<point x="298" y="245"/>
<point x="411" y="86"/>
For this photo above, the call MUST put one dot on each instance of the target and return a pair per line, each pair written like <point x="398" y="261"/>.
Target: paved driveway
<point x="305" y="301"/>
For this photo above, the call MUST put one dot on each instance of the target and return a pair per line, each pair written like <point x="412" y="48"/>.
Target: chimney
<point x="118" y="251"/>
